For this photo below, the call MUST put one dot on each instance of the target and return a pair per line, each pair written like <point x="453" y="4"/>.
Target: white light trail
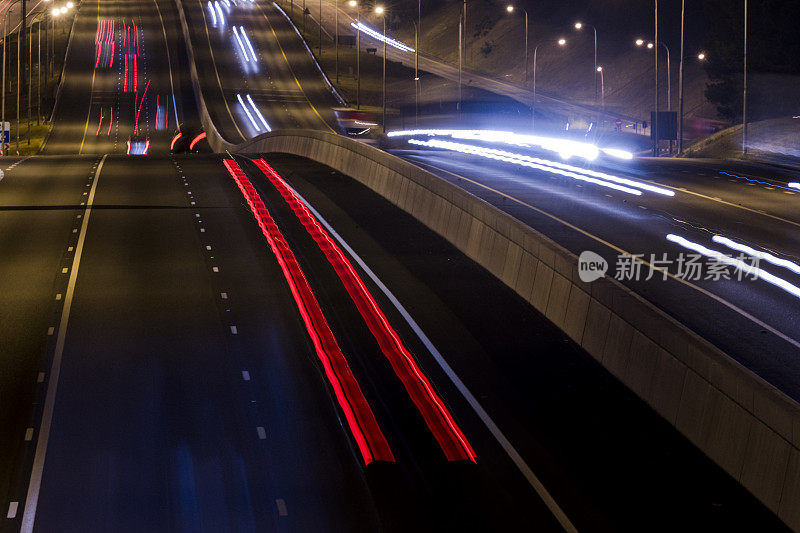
<point x="736" y="263"/>
<point x="213" y="14"/>
<point x="522" y="160"/>
<point x="219" y="12"/>
<point x="241" y="46"/>
<point x="566" y="148"/>
<point x="258" y="113"/>
<point x="247" y="111"/>
<point x="379" y="36"/>
<point x="616" y="152"/>
<point x="249" y="46"/>
<point x="766" y="256"/>
<point x="794" y="185"/>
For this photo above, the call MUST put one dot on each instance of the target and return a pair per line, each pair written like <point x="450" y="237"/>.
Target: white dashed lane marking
<point x="12" y="510"/>
<point x="40" y="377"/>
<point x="262" y="433"/>
<point x="245" y="375"/>
<point x="234" y="330"/>
<point x="29" y="434"/>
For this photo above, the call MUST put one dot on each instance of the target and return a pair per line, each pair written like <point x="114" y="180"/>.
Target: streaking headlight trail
<point x="241" y="45"/>
<point x="736" y="263"/>
<point x="258" y="114"/>
<point x="616" y="152"/>
<point x="213" y="14"/>
<point x="249" y="46"/>
<point x="598" y="178"/>
<point x="219" y="12"/>
<point x="566" y="148"/>
<point x="264" y="123"/>
<point x="247" y="111"/>
<point x="379" y="36"/>
<point x="768" y="257"/>
<point x="794" y="185"/>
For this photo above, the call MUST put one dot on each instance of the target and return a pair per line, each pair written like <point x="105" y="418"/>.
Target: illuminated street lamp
<point x="650" y="45"/>
<point x="701" y="56"/>
<point x="579" y="26"/>
<point x="510" y="8"/>
<point x="561" y="42"/>
<point x="599" y="70"/>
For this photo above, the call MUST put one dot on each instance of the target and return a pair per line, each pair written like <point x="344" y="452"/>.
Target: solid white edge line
<point x="512" y="453"/>
<point x="52" y="384"/>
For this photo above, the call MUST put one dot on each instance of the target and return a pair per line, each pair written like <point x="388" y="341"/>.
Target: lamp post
<point x="701" y="56"/>
<point x="744" y="86"/>
<point x="3" y="112"/>
<point x="650" y="46"/>
<point x="654" y="124"/>
<point x="416" y="74"/>
<point x="418" y="29"/>
<point x="579" y="26"/>
<point x="599" y="70"/>
<point x="561" y="42"/>
<point x="354" y="3"/>
<point x="336" y="35"/>
<point x="510" y="9"/>
<point x="680" y="82"/>
<point x="381" y="11"/>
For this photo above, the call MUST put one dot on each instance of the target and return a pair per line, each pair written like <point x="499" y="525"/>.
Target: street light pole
<point x="526" y="45"/>
<point x="744" y="87"/>
<point x="336" y="38"/>
<point x="579" y="26"/>
<point x="30" y="78"/>
<point x="510" y="9"/>
<point x="3" y="150"/>
<point x="561" y="42"/>
<point x="654" y="124"/>
<point x="416" y="74"/>
<point x="460" y="60"/>
<point x="39" y="72"/>
<point x="354" y="3"/>
<point x="320" y="29"/>
<point x="680" y="83"/>
<point x="602" y="91"/>
<point x="381" y="11"/>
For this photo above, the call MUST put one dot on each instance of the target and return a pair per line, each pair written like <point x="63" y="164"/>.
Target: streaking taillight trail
<point x="440" y="421"/>
<point x="359" y="416"/>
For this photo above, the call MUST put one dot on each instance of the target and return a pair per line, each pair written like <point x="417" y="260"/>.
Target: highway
<point x="734" y="200"/>
<point x="191" y="350"/>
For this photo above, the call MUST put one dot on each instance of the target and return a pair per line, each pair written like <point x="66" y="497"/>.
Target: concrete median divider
<point x="745" y="425"/>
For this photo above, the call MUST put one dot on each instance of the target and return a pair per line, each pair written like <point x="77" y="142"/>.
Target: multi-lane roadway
<point x="186" y="349"/>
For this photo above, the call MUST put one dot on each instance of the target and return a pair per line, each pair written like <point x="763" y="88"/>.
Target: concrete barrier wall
<point x="741" y="422"/>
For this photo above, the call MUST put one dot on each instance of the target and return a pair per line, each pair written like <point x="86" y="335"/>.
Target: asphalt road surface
<point x="163" y="373"/>
<point x="752" y="320"/>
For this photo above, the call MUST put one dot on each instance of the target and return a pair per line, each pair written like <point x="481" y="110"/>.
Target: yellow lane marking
<point x="294" y="75"/>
